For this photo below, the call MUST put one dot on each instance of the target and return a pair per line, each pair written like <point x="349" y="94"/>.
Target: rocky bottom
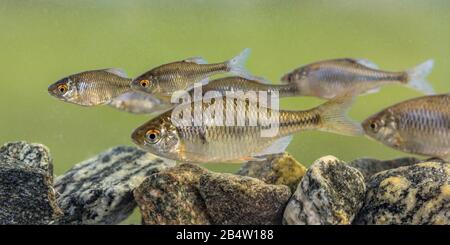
<point x="106" y="188"/>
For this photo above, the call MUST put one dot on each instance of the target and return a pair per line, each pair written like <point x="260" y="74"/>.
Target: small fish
<point x="164" y="80"/>
<point x="107" y="86"/>
<point x="237" y="84"/>
<point x="330" y="78"/>
<point x="91" y="88"/>
<point x="419" y="126"/>
<point x="139" y="103"/>
<point x="209" y="143"/>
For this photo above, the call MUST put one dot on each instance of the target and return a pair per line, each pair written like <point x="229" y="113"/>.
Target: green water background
<point x="42" y="41"/>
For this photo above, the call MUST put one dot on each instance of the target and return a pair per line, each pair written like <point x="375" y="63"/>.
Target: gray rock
<point x="416" y="194"/>
<point x="232" y="199"/>
<point x="30" y="154"/>
<point x="172" y="197"/>
<point x="331" y="192"/>
<point x="26" y="191"/>
<point x="99" y="190"/>
<point x="369" y="166"/>
<point x="277" y="169"/>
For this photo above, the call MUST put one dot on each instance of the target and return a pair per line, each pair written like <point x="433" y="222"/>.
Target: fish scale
<point x="419" y="126"/>
<point x="166" y="79"/>
<point x="222" y="143"/>
<point x="331" y="78"/>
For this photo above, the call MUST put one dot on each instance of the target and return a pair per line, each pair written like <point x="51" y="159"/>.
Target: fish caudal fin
<point x="417" y="75"/>
<point x="237" y="64"/>
<point x="334" y="117"/>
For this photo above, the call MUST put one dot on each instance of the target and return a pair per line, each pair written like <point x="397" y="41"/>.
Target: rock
<point x="99" y="190"/>
<point x="413" y="195"/>
<point x="172" y="197"/>
<point x="330" y="193"/>
<point x="277" y="169"/>
<point x="369" y="166"/>
<point x="232" y="199"/>
<point x="33" y="155"/>
<point x="26" y="185"/>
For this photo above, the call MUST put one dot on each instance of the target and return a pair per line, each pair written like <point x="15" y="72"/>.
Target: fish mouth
<point x="286" y="78"/>
<point x="51" y="89"/>
<point x="365" y="125"/>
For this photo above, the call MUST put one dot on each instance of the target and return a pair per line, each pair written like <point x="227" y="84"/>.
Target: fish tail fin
<point x="416" y="77"/>
<point x="334" y="117"/>
<point x="237" y="64"/>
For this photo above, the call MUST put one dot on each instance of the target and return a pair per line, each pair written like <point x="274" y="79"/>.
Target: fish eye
<point x="152" y="136"/>
<point x="373" y="125"/>
<point x="62" y="88"/>
<point x="144" y="83"/>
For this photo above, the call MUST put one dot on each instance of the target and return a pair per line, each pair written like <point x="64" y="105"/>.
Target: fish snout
<point x="286" y="78"/>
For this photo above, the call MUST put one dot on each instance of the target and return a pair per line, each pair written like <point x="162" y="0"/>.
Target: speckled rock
<point x="99" y="190"/>
<point x="172" y="197"/>
<point x="416" y="194"/>
<point x="277" y="169"/>
<point x="369" y="166"/>
<point x="26" y="191"/>
<point x="233" y="199"/>
<point x="330" y="193"/>
<point x="30" y="154"/>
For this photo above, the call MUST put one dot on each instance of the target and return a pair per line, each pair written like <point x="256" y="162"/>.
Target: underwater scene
<point x="359" y="93"/>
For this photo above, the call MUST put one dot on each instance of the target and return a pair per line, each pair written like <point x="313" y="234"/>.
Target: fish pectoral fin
<point x="196" y="60"/>
<point x="278" y="146"/>
<point x="117" y="71"/>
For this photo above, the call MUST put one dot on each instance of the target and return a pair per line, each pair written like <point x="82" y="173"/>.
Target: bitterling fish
<point x="224" y="143"/>
<point x="166" y="79"/>
<point x="236" y="84"/>
<point x="107" y="86"/>
<point x="330" y="78"/>
<point x="419" y="126"/>
<point x="91" y="88"/>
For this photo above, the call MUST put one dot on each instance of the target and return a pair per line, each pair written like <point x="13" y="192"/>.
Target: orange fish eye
<point x="144" y="83"/>
<point x="62" y="88"/>
<point x="152" y="136"/>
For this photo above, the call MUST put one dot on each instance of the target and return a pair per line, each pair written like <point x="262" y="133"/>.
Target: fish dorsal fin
<point x="196" y="60"/>
<point x="261" y="80"/>
<point x="117" y="71"/>
<point x="367" y="63"/>
<point x="278" y="146"/>
<point x="363" y="62"/>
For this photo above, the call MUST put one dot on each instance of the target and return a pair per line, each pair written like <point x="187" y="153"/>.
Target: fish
<point x="166" y="79"/>
<point x="240" y="84"/>
<point x="91" y="88"/>
<point x="330" y="78"/>
<point x="139" y="103"/>
<point x="200" y="143"/>
<point x="419" y="126"/>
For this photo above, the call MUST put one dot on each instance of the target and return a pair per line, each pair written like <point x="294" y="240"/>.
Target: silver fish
<point x="224" y="143"/>
<point x="166" y="79"/>
<point x="330" y="78"/>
